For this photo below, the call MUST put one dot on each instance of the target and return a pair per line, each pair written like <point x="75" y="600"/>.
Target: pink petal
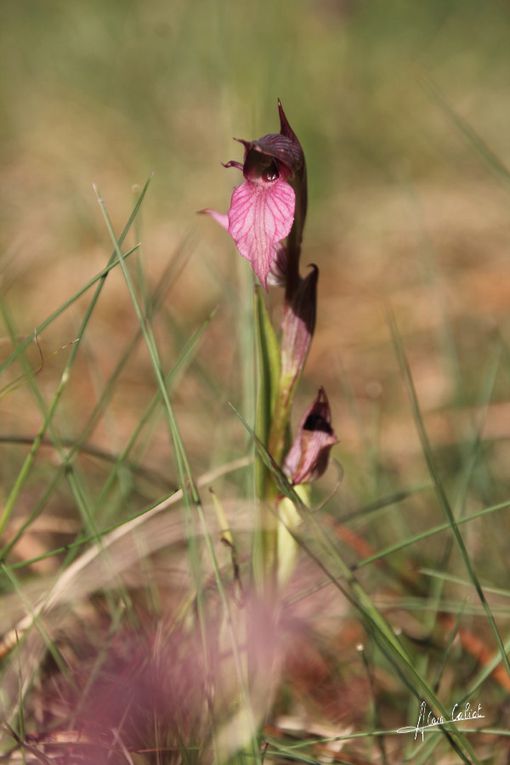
<point x="260" y="216"/>
<point x="220" y="218"/>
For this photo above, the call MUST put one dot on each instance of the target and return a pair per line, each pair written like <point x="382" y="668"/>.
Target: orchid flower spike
<point x="262" y="208"/>
<point x="308" y="457"/>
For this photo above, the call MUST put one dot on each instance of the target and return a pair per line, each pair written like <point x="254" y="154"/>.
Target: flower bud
<point x="298" y="181"/>
<point x="298" y="327"/>
<point x="309" y="454"/>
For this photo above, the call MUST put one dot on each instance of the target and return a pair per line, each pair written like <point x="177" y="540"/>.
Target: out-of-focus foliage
<point x="129" y="87"/>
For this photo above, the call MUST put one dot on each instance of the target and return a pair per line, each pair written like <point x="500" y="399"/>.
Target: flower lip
<point x="264" y="208"/>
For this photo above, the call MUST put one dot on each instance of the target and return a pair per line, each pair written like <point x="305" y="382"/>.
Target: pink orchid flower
<point x="262" y="208"/>
<point x="260" y="217"/>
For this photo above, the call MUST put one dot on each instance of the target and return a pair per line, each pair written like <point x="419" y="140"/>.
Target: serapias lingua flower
<point x="308" y="457"/>
<point x="262" y="208"/>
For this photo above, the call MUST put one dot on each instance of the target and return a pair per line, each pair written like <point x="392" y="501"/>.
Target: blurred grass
<point x="403" y="114"/>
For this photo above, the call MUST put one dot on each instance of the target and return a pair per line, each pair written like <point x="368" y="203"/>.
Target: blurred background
<point x="403" y="111"/>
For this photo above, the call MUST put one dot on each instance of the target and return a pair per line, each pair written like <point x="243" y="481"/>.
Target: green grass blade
<point x="101" y="276"/>
<point x="439" y="488"/>
<point x="183" y="468"/>
<point x="329" y="560"/>
<point x="489" y="157"/>
<point x="427" y="534"/>
<point x="464" y="582"/>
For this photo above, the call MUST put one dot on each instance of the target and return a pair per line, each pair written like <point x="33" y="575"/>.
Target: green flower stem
<point x="268" y="379"/>
<point x="275" y="394"/>
<point x="278" y="434"/>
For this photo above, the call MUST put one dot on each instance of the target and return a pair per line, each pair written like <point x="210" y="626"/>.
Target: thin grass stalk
<point x="344" y="579"/>
<point x="47" y="425"/>
<point x="189" y="488"/>
<point x="101" y="276"/>
<point x="29" y="460"/>
<point x="439" y="488"/>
